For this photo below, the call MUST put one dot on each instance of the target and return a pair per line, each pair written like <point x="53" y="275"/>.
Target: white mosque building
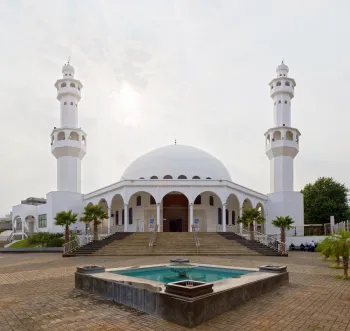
<point x="179" y="188"/>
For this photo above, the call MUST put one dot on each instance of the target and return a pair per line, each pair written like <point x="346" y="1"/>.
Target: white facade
<point x="177" y="187"/>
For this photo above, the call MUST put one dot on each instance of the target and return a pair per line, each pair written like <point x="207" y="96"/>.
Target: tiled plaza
<point x="37" y="293"/>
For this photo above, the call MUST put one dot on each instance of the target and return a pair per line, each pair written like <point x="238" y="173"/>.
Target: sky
<point x="154" y="71"/>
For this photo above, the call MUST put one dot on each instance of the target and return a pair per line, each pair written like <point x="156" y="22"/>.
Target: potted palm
<point x="249" y="216"/>
<point x="66" y="218"/>
<point x="284" y="223"/>
<point x="95" y="214"/>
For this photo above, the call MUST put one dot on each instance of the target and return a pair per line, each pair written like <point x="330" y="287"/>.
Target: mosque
<point x="174" y="188"/>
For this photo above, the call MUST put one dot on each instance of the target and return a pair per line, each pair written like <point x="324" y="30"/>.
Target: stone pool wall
<point x="183" y="311"/>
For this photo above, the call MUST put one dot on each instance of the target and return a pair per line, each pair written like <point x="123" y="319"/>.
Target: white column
<point x="158" y="216"/>
<point x="23" y="220"/>
<point x="332" y="224"/>
<point x="240" y="224"/>
<point x="125" y="217"/>
<point x="191" y="217"/>
<point x="224" y="217"/>
<point x="254" y="226"/>
<point x="109" y="220"/>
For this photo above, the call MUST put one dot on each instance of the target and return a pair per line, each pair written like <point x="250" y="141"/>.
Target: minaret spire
<point x="282" y="140"/>
<point x="68" y="142"/>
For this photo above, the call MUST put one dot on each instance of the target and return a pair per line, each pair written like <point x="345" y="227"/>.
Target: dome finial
<point x="69" y="60"/>
<point x="175" y="141"/>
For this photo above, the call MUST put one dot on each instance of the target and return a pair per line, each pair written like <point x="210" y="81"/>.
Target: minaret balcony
<point x="68" y="87"/>
<point x="68" y="148"/>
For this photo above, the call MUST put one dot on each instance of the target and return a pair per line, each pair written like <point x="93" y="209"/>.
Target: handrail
<point x="153" y="236"/>
<point x="265" y="239"/>
<point x="195" y="236"/>
<point x="70" y="245"/>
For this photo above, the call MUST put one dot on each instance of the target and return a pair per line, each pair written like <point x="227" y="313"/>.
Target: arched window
<point x="278" y="84"/>
<point x="226" y="212"/>
<point x="138" y="201"/>
<point x="211" y="200"/>
<point x="287" y="83"/>
<point x="61" y="136"/>
<point x="141" y="178"/>
<point x="154" y="177"/>
<point x="289" y="135"/>
<point x="74" y="136"/>
<point x="65" y="103"/>
<point x="285" y="101"/>
<point x="271" y="87"/>
<point x="277" y="135"/>
<point x="208" y="178"/>
<point x="182" y="177"/>
<point x="72" y="85"/>
<point x="79" y="88"/>
<point x="152" y="200"/>
<point x="233" y="217"/>
<point x="116" y="217"/>
<point x="198" y="200"/>
<point x="130" y="215"/>
<point x="167" y="177"/>
<point x="279" y="101"/>
<point x="83" y="139"/>
<point x="196" y="177"/>
<point x="71" y="103"/>
<point x="123" y="216"/>
<point x="219" y="216"/>
<point x="63" y="85"/>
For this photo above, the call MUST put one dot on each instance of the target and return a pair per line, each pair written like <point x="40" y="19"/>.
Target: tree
<point x="66" y="218"/>
<point x="95" y="214"/>
<point x="338" y="245"/>
<point x="323" y="199"/>
<point x="284" y="223"/>
<point x="248" y="218"/>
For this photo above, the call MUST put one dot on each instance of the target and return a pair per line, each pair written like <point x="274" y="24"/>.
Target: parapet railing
<point x="153" y="236"/>
<point x="71" y="245"/>
<point x="195" y="236"/>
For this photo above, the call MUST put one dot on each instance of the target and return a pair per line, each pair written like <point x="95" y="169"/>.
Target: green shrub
<point x="43" y="238"/>
<point x="2" y="230"/>
<point x="55" y="242"/>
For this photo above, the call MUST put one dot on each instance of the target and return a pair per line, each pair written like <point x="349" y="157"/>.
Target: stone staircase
<point x="97" y="245"/>
<point x="252" y="245"/>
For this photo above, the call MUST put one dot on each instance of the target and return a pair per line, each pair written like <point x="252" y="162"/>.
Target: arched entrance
<point x="175" y="212"/>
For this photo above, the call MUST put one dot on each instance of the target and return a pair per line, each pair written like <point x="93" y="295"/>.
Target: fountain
<point x="181" y="267"/>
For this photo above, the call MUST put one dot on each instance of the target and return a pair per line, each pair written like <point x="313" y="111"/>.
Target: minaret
<point x="282" y="140"/>
<point x="68" y="142"/>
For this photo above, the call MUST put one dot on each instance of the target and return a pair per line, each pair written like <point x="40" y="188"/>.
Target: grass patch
<point x="334" y="266"/>
<point x="23" y="244"/>
<point x="343" y="278"/>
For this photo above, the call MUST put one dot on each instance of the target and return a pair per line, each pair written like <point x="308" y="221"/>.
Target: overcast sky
<point x="153" y="71"/>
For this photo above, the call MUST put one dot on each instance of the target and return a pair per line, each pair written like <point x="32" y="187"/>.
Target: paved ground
<point x="37" y="293"/>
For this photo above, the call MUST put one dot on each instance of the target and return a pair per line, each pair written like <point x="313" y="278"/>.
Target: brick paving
<point x="37" y="293"/>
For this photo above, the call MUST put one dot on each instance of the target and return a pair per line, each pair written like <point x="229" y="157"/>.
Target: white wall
<point x="285" y="204"/>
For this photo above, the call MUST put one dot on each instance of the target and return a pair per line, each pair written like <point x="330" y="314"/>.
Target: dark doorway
<point x="175" y="225"/>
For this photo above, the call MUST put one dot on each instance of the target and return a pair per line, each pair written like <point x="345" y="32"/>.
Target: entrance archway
<point x="175" y="212"/>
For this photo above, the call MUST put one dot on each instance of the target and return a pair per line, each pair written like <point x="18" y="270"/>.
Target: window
<point x="211" y="200"/>
<point x="154" y="177"/>
<point x="116" y="217"/>
<point x="271" y="87"/>
<point x="142" y="178"/>
<point x="18" y="224"/>
<point x="182" y="177"/>
<point x="285" y="101"/>
<point x="278" y="84"/>
<point x="123" y="216"/>
<point x="289" y="135"/>
<point x="167" y="177"/>
<point x="78" y="88"/>
<point x="279" y="101"/>
<point x="63" y="85"/>
<point x="208" y="177"/>
<point x="152" y="200"/>
<point x="138" y="201"/>
<point x="198" y="200"/>
<point x="287" y="83"/>
<point x="61" y="136"/>
<point x="196" y="177"/>
<point x="71" y="103"/>
<point x="65" y="103"/>
<point x="233" y="217"/>
<point x="72" y="85"/>
<point x="130" y="215"/>
<point x="42" y="221"/>
<point x="226" y="216"/>
<point x="219" y="216"/>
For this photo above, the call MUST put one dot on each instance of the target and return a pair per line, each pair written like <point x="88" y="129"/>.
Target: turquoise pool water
<point x="200" y="273"/>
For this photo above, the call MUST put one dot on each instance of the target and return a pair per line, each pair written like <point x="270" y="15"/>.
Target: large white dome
<point x="176" y="161"/>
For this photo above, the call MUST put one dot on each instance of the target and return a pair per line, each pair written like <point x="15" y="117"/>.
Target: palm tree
<point x="248" y="218"/>
<point x="339" y="245"/>
<point x="66" y="218"/>
<point x="95" y="214"/>
<point x="284" y="223"/>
